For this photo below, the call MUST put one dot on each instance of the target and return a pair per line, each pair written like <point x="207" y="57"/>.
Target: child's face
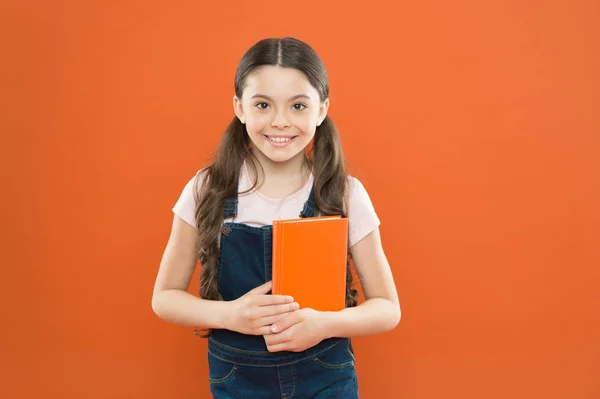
<point x="281" y="111"/>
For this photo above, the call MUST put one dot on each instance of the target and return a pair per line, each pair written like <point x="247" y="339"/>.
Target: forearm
<point x="374" y="316"/>
<point x="182" y="308"/>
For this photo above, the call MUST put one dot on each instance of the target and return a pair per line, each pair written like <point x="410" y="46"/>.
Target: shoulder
<point x="185" y="207"/>
<point x="356" y="193"/>
<point x="195" y="182"/>
<point x="362" y="217"/>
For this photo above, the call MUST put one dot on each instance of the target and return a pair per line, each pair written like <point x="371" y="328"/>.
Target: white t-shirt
<point x="255" y="209"/>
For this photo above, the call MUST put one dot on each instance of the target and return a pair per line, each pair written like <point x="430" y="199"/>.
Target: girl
<point x="279" y="158"/>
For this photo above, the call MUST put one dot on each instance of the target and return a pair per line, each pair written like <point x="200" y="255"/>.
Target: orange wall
<point x="474" y="125"/>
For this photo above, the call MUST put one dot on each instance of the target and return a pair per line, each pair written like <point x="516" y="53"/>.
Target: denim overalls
<point x="240" y="366"/>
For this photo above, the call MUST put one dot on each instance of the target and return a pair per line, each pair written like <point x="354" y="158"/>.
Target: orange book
<point x="309" y="261"/>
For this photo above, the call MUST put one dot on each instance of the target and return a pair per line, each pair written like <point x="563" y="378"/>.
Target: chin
<point x="279" y="157"/>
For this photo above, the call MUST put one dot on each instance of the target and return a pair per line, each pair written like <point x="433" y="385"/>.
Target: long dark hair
<point x="220" y="180"/>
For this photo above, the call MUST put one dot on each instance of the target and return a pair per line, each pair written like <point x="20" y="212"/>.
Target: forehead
<point x="278" y="83"/>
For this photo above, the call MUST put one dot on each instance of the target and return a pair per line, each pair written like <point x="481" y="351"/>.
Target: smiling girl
<point x="279" y="158"/>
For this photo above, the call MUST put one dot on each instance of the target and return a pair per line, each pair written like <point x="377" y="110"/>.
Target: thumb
<point x="261" y="289"/>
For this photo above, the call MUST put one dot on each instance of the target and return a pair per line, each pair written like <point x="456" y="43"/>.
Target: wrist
<point x="224" y="315"/>
<point x="330" y="322"/>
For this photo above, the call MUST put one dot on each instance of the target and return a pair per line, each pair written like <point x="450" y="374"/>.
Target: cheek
<point x="306" y="126"/>
<point x="255" y="125"/>
<point x="305" y="122"/>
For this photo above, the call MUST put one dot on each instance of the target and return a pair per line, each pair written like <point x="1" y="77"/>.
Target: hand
<point x="254" y="312"/>
<point x="297" y="331"/>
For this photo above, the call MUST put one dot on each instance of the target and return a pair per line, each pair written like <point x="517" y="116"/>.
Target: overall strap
<point x="309" y="205"/>
<point x="231" y="207"/>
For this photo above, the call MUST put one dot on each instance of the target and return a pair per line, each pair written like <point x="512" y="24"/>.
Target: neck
<point x="293" y="169"/>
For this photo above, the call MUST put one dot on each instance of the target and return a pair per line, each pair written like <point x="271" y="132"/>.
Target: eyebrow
<point x="297" y="96"/>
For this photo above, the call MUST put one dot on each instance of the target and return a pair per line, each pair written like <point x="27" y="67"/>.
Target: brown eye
<point x="299" y="107"/>
<point x="262" y="105"/>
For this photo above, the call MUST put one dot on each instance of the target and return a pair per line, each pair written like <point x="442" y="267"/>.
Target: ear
<point x="323" y="112"/>
<point x="237" y="108"/>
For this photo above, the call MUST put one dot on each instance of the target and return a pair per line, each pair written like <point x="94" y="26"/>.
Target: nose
<point x="280" y="121"/>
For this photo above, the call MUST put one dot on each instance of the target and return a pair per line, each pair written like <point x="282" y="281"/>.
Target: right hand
<point x="255" y="312"/>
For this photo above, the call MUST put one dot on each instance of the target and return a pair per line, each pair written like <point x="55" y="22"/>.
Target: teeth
<point x="280" y="139"/>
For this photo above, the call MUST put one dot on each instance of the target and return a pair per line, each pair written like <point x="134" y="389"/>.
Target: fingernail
<point x="274" y="328"/>
<point x="296" y="306"/>
<point x="291" y="299"/>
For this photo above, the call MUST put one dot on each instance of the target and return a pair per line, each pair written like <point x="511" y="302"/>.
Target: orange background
<point x="474" y="126"/>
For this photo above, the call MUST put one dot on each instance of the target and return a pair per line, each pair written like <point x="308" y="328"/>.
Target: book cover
<point x="309" y="261"/>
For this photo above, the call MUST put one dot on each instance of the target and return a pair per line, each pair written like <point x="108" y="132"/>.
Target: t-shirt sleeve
<point x="362" y="218"/>
<point x="185" y="207"/>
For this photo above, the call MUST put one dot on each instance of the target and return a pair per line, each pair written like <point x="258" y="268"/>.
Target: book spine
<point x="276" y="259"/>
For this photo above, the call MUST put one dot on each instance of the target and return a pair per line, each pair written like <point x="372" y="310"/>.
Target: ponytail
<point x="331" y="185"/>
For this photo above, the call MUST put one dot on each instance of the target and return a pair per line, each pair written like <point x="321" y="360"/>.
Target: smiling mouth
<point x="280" y="139"/>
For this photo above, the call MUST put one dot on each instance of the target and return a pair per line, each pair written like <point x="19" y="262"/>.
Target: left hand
<point x="297" y="331"/>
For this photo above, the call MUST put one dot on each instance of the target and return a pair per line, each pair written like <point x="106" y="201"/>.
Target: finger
<point x="274" y="310"/>
<point x="262" y="289"/>
<point x="268" y="300"/>
<point x="264" y="330"/>
<point x="287" y="322"/>
<point x="277" y="339"/>
<point x="267" y="321"/>
<point x="279" y="347"/>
